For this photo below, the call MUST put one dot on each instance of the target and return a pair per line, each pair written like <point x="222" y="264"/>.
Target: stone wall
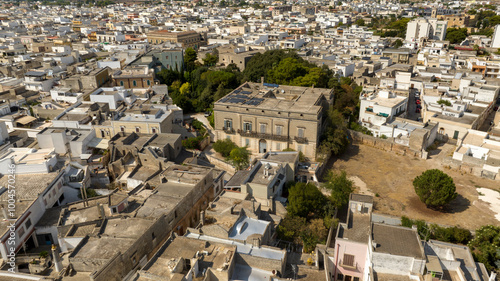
<point x="471" y="167"/>
<point x="388" y="145"/>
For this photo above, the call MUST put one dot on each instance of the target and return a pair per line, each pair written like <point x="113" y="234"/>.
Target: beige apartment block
<point x="268" y="117"/>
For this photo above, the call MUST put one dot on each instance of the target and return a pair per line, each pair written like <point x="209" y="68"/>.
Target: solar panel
<point x="236" y="100"/>
<point x="246" y="92"/>
<point x="271" y="85"/>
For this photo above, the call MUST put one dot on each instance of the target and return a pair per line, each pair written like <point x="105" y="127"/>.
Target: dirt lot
<point x="390" y="177"/>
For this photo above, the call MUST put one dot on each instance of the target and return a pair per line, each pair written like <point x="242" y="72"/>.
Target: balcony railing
<point x="253" y="134"/>
<point x="300" y="139"/>
<point x="228" y="130"/>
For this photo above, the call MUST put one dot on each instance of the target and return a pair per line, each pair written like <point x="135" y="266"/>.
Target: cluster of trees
<point x="435" y="188"/>
<point x="195" y="86"/>
<point x="310" y="212"/>
<point x="286" y="67"/>
<point x="456" y="35"/>
<point x="487" y="19"/>
<point x="238" y="156"/>
<point x="390" y="27"/>
<point x="433" y="231"/>
<point x="485" y="246"/>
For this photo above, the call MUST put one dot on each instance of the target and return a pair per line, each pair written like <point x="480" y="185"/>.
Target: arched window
<point x="134" y="83"/>
<point x="121" y="83"/>
<point x="149" y="83"/>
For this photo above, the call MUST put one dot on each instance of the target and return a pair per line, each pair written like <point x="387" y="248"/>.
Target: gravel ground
<point x="390" y="177"/>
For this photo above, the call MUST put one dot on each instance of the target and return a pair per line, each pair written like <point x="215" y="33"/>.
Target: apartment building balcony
<point x="253" y="134"/>
<point x="300" y="139"/>
<point x="228" y="130"/>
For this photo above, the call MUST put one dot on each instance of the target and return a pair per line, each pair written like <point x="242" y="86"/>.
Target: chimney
<point x="202" y="217"/>
<point x="262" y="80"/>
<point x="100" y="210"/>
<point x="56" y="254"/>
<point x="4" y="212"/>
<point x="256" y="242"/>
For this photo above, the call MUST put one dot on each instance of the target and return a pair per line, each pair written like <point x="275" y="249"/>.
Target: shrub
<point x="224" y="147"/>
<point x="44" y="254"/>
<point x="445" y="102"/>
<point x="193" y="143"/>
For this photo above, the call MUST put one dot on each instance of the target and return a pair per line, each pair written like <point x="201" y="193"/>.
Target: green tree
<point x="224" y="147"/>
<point x="286" y="71"/>
<point x="485" y="247"/>
<point x="360" y="22"/>
<point x="456" y="35"/>
<point x="435" y="188"/>
<point x="340" y="187"/>
<point x="305" y="200"/>
<point x="240" y="157"/>
<point x="190" y="57"/>
<point x="210" y="60"/>
<point x="334" y="139"/>
<point x="185" y="89"/>
<point x="398" y="43"/>
<point x="290" y="228"/>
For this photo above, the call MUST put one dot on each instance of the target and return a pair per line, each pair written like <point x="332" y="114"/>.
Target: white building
<point x="426" y="28"/>
<point x="379" y="108"/>
<point x="27" y="161"/>
<point x="495" y="41"/>
<point x="65" y="95"/>
<point x="37" y="81"/>
<point x="112" y="96"/>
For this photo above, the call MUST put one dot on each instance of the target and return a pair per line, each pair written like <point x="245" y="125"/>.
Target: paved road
<point x="200" y="117"/>
<point x="412" y="106"/>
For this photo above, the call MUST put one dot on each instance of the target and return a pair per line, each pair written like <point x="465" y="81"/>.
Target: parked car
<point x="208" y="113"/>
<point x="419" y="106"/>
<point x="417" y="101"/>
<point x="417" y="110"/>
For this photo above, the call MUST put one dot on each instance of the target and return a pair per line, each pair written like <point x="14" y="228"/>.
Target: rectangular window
<point x="21" y="231"/>
<point x="228" y="124"/>
<point x="340" y="277"/>
<point x="153" y="130"/>
<point x="348" y="260"/>
<point x="247" y="142"/>
<point x="122" y="129"/>
<point x="137" y="129"/>
<point x="299" y="148"/>
<point x="28" y="223"/>
<point x="278" y="146"/>
<point x="279" y="130"/>
<point x="247" y="126"/>
<point x="300" y="132"/>
<point x="263" y="128"/>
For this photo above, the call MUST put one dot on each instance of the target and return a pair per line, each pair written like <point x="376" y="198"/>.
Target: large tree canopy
<point x="340" y="186"/>
<point x="305" y="199"/>
<point x="435" y="188"/>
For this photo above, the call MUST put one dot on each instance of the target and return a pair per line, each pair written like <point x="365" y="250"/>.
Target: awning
<point x="99" y="143"/>
<point x="26" y="119"/>
<point x="85" y="156"/>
